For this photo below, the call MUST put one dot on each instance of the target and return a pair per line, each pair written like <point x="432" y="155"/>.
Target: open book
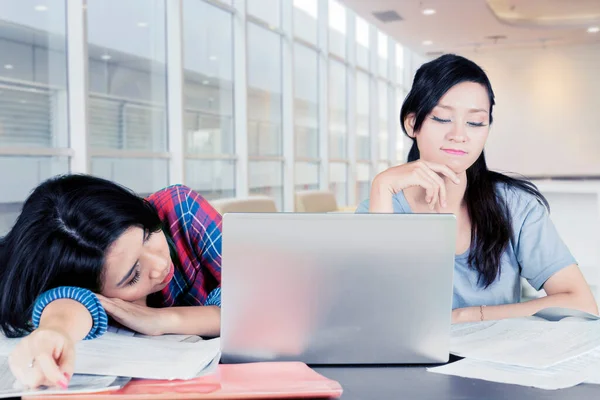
<point x="556" y="348"/>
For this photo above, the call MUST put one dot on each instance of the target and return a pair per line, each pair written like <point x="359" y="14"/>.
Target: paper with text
<point x="120" y="355"/>
<point x="563" y="375"/>
<point x="526" y="343"/>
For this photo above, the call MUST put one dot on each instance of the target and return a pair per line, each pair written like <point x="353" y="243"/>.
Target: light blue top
<point x="535" y="252"/>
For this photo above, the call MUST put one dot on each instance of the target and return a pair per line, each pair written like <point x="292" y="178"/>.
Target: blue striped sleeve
<point x="214" y="298"/>
<point x="84" y="296"/>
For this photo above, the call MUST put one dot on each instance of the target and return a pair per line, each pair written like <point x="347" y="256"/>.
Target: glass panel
<point x="267" y="10"/>
<point x="15" y="187"/>
<point x="400" y="142"/>
<point x="363" y="142"/>
<point x="306" y="102"/>
<point x="306" y="13"/>
<point x="337" y="28"/>
<point x="127" y="78"/>
<point x="307" y="176"/>
<point x="399" y="64"/>
<point x="264" y="92"/>
<point x="142" y="175"/>
<point x="363" y="182"/>
<point x="33" y="74"/>
<point x="213" y="179"/>
<point x="338" y="132"/>
<point x="382" y="51"/>
<point x="208" y="79"/>
<point x="362" y="43"/>
<point x="383" y="165"/>
<point x="383" y="107"/>
<point x="266" y="177"/>
<point x="338" y="182"/>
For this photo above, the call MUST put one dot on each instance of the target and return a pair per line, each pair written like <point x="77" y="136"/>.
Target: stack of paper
<point x="109" y="362"/>
<point x="539" y="352"/>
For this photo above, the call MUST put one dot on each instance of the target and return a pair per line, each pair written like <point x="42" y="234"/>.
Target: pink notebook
<point x="276" y="380"/>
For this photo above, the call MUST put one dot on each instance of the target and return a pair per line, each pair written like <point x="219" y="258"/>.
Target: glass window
<point x="264" y="92"/>
<point x="208" y="98"/>
<point x="338" y="182"/>
<point x="306" y="14"/>
<point x="337" y="28"/>
<point x="26" y="173"/>
<point x="338" y="131"/>
<point x="143" y="175"/>
<point x="383" y="107"/>
<point x="363" y="183"/>
<point x="401" y="137"/>
<point x="363" y="141"/>
<point x="382" y="51"/>
<point x="362" y="43"/>
<point x="267" y="10"/>
<point x="33" y="98"/>
<point x="307" y="176"/>
<point x="399" y="64"/>
<point x="213" y="179"/>
<point x="383" y="165"/>
<point x="127" y="108"/>
<point x="266" y="178"/>
<point x="306" y="101"/>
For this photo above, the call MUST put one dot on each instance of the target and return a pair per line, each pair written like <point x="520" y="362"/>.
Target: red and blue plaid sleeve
<point x="204" y="229"/>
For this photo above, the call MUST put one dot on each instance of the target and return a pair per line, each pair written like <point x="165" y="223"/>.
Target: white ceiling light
<point x="428" y="11"/>
<point x="205" y="82"/>
<point x="8" y="66"/>
<point x="40" y="8"/>
<point x="427" y="43"/>
<point x="142" y="24"/>
<point x="212" y="58"/>
<point x="593" y="29"/>
<point x="105" y="57"/>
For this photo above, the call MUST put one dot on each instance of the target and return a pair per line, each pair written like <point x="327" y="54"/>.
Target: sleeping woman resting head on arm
<point x="83" y="249"/>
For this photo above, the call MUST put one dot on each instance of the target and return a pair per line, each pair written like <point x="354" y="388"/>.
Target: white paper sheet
<point x="563" y="375"/>
<point x="526" y="343"/>
<point x="120" y="355"/>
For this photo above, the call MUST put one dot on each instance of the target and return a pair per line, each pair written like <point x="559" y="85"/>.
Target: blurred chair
<point x="248" y="204"/>
<point x="315" y="201"/>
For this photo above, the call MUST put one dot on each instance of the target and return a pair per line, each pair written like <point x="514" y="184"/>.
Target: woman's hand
<point x="44" y="357"/>
<point x="142" y="319"/>
<point x="417" y="173"/>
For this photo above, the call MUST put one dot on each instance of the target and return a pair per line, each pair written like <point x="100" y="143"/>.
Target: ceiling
<point x="469" y="25"/>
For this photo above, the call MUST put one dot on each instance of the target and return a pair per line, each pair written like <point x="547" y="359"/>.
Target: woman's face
<point x="455" y="131"/>
<point x="137" y="264"/>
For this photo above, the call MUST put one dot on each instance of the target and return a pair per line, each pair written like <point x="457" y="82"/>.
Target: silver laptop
<point x="337" y="288"/>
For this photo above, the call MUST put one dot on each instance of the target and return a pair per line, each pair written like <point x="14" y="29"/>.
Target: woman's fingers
<point x="441" y="185"/>
<point x="431" y="188"/>
<point x="444" y="170"/>
<point x="51" y="371"/>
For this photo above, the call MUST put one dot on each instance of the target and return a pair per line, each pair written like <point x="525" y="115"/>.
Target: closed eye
<point x="476" y="124"/>
<point x="443" y="121"/>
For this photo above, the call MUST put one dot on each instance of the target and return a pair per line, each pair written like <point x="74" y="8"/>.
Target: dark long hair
<point x="491" y="228"/>
<point x="60" y="239"/>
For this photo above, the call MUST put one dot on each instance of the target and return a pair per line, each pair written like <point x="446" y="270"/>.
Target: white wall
<point x="547" y="109"/>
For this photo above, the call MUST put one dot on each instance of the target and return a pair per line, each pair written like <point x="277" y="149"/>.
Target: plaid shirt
<point x="195" y="227"/>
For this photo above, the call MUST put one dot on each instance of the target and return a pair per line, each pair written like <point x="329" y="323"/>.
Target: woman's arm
<point x="566" y="288"/>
